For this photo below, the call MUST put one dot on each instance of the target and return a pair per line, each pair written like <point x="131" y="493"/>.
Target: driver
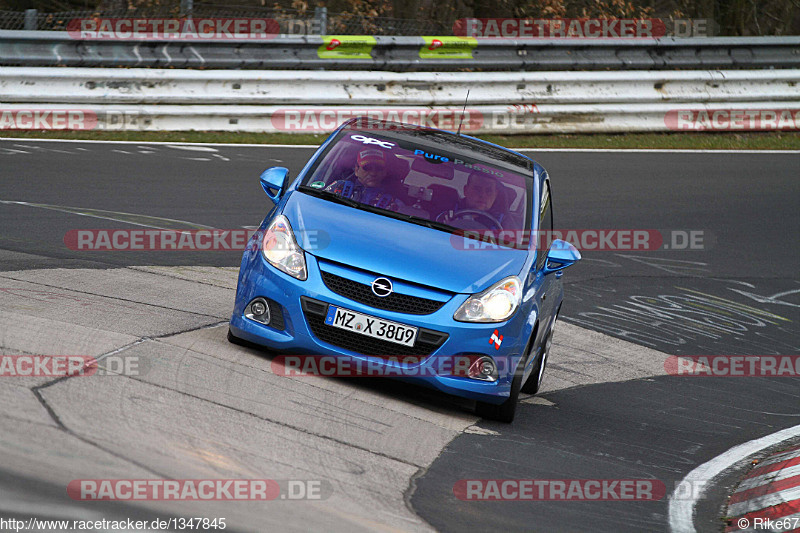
<point x="366" y="183"/>
<point x="480" y="194"/>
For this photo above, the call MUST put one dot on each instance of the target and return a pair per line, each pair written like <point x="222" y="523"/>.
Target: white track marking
<point x="777" y="458"/>
<point x="91" y="213"/>
<point x="762" y="502"/>
<point x="681" y="509"/>
<point x="192" y="147"/>
<point x="777" y="475"/>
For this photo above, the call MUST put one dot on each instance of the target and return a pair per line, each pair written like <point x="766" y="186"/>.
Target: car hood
<point x="396" y="248"/>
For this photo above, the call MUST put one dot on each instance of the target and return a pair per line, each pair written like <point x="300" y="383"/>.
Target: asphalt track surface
<point x="744" y="206"/>
<point x="739" y="294"/>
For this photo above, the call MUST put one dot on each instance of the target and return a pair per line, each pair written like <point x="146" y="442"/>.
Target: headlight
<point x="280" y="249"/>
<point x="495" y="304"/>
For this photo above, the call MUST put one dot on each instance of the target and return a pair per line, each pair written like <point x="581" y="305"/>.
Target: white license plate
<point x="370" y="326"/>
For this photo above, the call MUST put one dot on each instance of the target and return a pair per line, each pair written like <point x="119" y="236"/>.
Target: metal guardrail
<point x="371" y="88"/>
<point x="402" y="54"/>
<point x="318" y="101"/>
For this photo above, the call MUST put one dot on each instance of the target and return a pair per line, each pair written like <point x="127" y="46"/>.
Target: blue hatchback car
<point x="414" y="249"/>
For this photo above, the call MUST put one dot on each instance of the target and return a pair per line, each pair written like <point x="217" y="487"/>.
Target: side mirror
<point x="272" y="180"/>
<point x="560" y="255"/>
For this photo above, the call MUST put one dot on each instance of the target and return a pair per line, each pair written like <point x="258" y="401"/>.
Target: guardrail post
<point x="320" y="24"/>
<point x="30" y="20"/>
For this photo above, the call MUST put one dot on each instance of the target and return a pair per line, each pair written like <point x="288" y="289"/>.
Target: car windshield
<point x="442" y="189"/>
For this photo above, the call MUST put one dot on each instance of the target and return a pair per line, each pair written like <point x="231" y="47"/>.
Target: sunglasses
<point x="373" y="167"/>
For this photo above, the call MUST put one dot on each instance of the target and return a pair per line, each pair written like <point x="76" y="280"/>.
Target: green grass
<point x="693" y="141"/>
<point x="698" y="141"/>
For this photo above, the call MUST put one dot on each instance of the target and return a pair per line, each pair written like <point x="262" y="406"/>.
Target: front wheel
<point x="505" y="411"/>
<point x="534" y="383"/>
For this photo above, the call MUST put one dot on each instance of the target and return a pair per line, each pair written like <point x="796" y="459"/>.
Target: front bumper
<point x="448" y="339"/>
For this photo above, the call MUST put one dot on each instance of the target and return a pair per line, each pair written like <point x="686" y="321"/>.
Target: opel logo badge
<point x="382" y="287"/>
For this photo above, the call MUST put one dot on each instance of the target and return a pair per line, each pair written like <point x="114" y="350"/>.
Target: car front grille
<point x="399" y="303"/>
<point x="314" y="310"/>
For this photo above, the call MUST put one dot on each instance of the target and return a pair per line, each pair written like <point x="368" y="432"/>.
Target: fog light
<point x="258" y="310"/>
<point x="484" y="369"/>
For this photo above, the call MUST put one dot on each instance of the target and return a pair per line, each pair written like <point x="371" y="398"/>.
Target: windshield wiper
<point x="333" y="197"/>
<point x="467" y="234"/>
<point x="425" y="222"/>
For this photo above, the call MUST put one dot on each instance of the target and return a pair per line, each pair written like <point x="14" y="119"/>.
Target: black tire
<point x="534" y="382"/>
<point x="505" y="411"/>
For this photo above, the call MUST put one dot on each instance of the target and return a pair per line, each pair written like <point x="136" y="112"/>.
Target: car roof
<point x="469" y="146"/>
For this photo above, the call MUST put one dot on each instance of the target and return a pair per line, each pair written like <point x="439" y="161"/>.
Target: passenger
<point x="366" y="183"/>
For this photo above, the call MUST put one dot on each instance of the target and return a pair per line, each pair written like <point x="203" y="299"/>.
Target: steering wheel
<point x="479" y="216"/>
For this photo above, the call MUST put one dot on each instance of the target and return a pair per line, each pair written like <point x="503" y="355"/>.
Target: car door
<point x="547" y="294"/>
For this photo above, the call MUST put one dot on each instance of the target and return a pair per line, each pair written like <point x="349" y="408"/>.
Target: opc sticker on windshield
<point x="369" y="140"/>
<point x="347" y="47"/>
<point x="448" y="47"/>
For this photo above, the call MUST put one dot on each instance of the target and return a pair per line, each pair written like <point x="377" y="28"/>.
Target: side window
<point x="545" y="225"/>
